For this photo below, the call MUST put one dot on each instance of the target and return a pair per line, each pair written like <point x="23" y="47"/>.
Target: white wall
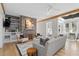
<point x="41" y="27"/>
<point x="1" y="26"/>
<point x="54" y="27"/>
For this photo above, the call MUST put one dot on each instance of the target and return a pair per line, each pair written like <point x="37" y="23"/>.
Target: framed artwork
<point x="28" y="23"/>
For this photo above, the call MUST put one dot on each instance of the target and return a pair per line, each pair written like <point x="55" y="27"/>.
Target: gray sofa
<point x="51" y="46"/>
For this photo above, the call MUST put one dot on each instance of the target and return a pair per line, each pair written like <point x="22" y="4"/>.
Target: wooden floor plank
<point x="10" y="50"/>
<point x="71" y="49"/>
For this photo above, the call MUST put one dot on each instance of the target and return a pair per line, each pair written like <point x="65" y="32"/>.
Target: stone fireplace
<point x="28" y="27"/>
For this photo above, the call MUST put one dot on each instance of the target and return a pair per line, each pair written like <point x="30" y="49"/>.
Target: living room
<point x="39" y="29"/>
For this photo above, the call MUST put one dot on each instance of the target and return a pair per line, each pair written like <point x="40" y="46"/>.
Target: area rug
<point x="22" y="47"/>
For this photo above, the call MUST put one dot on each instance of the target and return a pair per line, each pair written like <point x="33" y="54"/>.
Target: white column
<point x="70" y="27"/>
<point x="64" y="28"/>
<point x="1" y="32"/>
<point x="61" y="28"/>
<point x="1" y="26"/>
<point x="77" y="30"/>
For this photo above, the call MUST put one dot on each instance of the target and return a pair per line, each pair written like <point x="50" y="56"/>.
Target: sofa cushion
<point x="43" y="41"/>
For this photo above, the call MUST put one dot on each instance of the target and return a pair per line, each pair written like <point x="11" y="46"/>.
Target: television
<point x="7" y="22"/>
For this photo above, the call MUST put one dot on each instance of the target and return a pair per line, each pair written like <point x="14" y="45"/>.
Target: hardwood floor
<point x="10" y="49"/>
<point x="71" y="49"/>
<point x="1" y="52"/>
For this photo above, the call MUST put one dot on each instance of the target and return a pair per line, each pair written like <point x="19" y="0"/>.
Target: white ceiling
<point x="38" y="10"/>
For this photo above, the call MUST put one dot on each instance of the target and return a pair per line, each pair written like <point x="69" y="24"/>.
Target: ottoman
<point x="32" y="52"/>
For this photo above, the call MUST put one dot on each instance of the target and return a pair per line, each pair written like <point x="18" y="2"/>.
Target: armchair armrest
<point x="41" y="49"/>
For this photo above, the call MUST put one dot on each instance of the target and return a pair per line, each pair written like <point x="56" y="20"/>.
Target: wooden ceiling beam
<point x="3" y="7"/>
<point x="60" y="15"/>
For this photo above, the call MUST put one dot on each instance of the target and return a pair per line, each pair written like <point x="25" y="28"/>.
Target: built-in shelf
<point x="15" y="23"/>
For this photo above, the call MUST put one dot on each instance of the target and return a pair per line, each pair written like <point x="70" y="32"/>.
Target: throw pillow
<point x="43" y="41"/>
